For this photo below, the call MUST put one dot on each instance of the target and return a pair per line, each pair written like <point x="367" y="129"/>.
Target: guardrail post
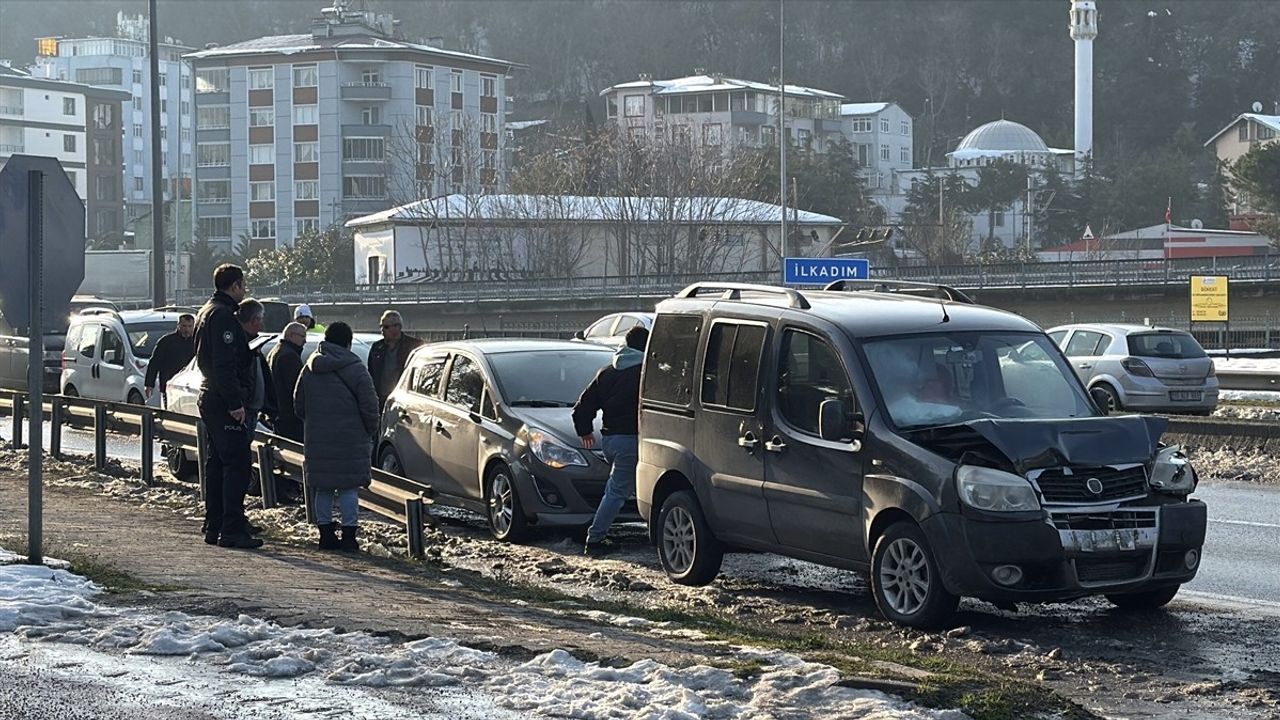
<point x="267" y="475"/>
<point x="413" y="526"/>
<point x="100" y="437"/>
<point x="202" y="451"/>
<point x="55" y="428"/>
<point x="148" y="447"/>
<point x="19" y="403"/>
<point x="308" y="500"/>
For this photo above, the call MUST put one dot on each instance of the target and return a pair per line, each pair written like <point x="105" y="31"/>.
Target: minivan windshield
<point x="946" y="378"/>
<point x="143" y="336"/>
<point x="1171" y="345"/>
<point x="546" y="378"/>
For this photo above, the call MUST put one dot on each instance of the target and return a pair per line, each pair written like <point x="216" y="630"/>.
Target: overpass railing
<point x="502" y="285"/>
<point x="398" y="499"/>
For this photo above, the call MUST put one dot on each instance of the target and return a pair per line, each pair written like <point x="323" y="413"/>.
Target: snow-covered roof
<point x="293" y="44"/>
<point x="870" y="108"/>
<point x="708" y="83"/>
<point x="524" y="124"/>
<point x="1271" y="121"/>
<point x="577" y="208"/>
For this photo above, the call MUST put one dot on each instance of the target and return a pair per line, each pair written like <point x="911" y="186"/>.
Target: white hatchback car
<point x="106" y="353"/>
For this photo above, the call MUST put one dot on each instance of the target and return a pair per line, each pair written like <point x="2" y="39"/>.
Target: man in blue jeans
<point x="615" y="391"/>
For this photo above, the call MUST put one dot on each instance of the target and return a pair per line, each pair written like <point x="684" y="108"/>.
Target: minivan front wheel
<point x="506" y="518"/>
<point x="905" y="579"/>
<point x="689" y="553"/>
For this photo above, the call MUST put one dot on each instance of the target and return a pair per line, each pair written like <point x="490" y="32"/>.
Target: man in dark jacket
<point x="615" y="391"/>
<point x="222" y="352"/>
<point x="285" y="362"/>
<point x="339" y="411"/>
<point x="389" y="355"/>
<point x="171" y="354"/>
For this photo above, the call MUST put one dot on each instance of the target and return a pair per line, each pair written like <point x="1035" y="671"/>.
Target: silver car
<point x="1142" y="368"/>
<point x="612" y="329"/>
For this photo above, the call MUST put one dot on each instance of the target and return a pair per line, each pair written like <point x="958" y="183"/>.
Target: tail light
<point x="1213" y="369"/>
<point x="1137" y="367"/>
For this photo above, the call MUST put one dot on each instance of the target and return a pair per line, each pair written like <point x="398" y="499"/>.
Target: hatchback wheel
<point x="180" y="466"/>
<point x="905" y="579"/>
<point x="506" y="518"/>
<point x="689" y="553"/>
<point x="1108" y="398"/>
<point x="389" y="461"/>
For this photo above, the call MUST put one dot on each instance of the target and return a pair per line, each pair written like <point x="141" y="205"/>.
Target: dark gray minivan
<point x="946" y="448"/>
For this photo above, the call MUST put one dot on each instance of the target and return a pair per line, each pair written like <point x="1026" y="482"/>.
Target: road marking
<point x="1246" y="523"/>
<point x="1269" y="605"/>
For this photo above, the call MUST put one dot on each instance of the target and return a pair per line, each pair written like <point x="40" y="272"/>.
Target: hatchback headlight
<point x="553" y="453"/>
<point x="1172" y="472"/>
<point x="995" y="490"/>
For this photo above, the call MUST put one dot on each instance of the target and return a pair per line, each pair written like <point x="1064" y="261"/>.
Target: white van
<point x="106" y="353"/>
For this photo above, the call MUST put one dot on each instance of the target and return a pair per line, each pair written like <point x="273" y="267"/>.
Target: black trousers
<point x="227" y="469"/>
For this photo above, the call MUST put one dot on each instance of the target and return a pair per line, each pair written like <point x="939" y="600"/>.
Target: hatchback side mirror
<point x="579" y="336"/>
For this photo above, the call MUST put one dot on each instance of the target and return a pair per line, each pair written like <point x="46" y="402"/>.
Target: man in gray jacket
<point x="339" y="411"/>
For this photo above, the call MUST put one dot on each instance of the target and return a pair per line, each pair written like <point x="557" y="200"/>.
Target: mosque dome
<point x="1003" y="136"/>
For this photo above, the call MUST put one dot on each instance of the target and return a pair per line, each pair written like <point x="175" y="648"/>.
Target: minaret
<point x="1084" y="28"/>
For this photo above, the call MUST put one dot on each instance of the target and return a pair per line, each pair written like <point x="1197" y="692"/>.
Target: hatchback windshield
<point x="143" y="336"/>
<point x="546" y="378"/>
<point x="1176" y="346"/>
<point x="946" y="378"/>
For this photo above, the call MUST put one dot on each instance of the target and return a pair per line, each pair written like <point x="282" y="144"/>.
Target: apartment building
<point x="1246" y="132"/>
<point x="123" y="63"/>
<point x="297" y="132"/>
<point x="717" y="111"/>
<point x="80" y="126"/>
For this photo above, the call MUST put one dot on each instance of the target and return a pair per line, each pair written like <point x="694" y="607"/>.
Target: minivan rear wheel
<point x="905" y="579"/>
<point x="506" y="517"/>
<point x="689" y="553"/>
<point x="1147" y="600"/>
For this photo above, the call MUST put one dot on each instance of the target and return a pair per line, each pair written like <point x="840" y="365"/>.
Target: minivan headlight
<point x="553" y="453"/>
<point x="995" y="490"/>
<point x="1172" y="472"/>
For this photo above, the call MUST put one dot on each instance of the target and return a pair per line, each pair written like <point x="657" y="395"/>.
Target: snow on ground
<point x="1263" y="396"/>
<point x="1247" y="363"/>
<point x="49" y="616"/>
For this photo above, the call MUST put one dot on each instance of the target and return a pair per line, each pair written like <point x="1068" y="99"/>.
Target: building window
<point x="999" y="218"/>
<point x="306" y="152"/>
<point x="262" y="117"/>
<point x="305" y="76"/>
<point x="306" y="189"/>
<point x="213" y="154"/>
<point x="633" y="105"/>
<point x="370" y="76"/>
<point x="137" y="130"/>
<point x="879" y="180"/>
<point x="186" y="134"/>
<point x="488" y="86"/>
<point x="769" y="135"/>
<point x="457" y="120"/>
<point x="423" y="115"/>
<point x="489" y="159"/>
<point x="1243" y="131"/>
<point x="68" y="106"/>
<point x="137" y="77"/>
<point x="262" y="229"/>
<point x="214" y="117"/>
<point x="137" y="102"/>
<point x="884" y="125"/>
<point x="69" y="143"/>
<point x="164" y="133"/>
<point x="137" y="157"/>
<point x="214" y="191"/>
<point x="637" y="134"/>
<point x="803" y="137"/>
<point x="904" y="127"/>
<point x="711" y="134"/>
<point x="261" y="78"/>
<point x="164" y="106"/>
<point x="137" y="184"/>
<point x="214" y="228"/>
<point x="186" y="81"/>
<point x="363" y="148"/>
<point x="904" y="154"/>
<point x="213" y="80"/>
<point x="364" y="186"/>
<point x="370" y="115"/>
<point x="164" y="79"/>
<point x="455" y="81"/>
<point x="1265" y="133"/>
<point x="262" y="191"/>
<point x="184" y="108"/>
<point x="261" y="155"/>
<point x="305" y="115"/>
<point x="489" y="122"/>
<point x="424" y="153"/>
<point x="884" y="152"/>
<point x="99" y="76"/>
<point x="306" y="226"/>
<point x="611" y="106"/>
<point x="422" y="76"/>
<point x="862" y="125"/>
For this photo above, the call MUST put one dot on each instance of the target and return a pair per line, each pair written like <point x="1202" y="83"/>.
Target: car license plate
<point x="1186" y="395"/>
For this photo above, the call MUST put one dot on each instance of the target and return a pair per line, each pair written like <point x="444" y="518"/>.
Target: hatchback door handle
<point x="775" y="445"/>
<point x="1086" y="366"/>
<point x="748" y="441"/>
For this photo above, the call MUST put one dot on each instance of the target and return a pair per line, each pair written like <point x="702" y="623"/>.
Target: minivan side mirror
<point x="1100" y="400"/>
<point x="834" y="425"/>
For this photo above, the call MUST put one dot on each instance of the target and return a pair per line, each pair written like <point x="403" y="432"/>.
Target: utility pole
<point x="157" y="180"/>
<point x="782" y="129"/>
<point x="1030" y="213"/>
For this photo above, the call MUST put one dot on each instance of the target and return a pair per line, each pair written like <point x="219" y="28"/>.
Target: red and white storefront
<point x="1163" y="241"/>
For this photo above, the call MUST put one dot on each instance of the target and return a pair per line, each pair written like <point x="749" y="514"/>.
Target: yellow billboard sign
<point x="1209" y="298"/>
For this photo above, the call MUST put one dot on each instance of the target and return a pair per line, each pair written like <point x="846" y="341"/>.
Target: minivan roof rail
<point x="98" y="311"/>
<point x="900" y="286"/>
<point x="733" y="291"/>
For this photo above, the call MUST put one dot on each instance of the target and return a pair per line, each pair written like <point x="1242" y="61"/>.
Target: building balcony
<point x="827" y="125"/>
<point x="362" y="130"/>
<point x="366" y="91"/>
<point x="11" y="149"/>
<point x="11" y="110"/>
<point x="750" y="118"/>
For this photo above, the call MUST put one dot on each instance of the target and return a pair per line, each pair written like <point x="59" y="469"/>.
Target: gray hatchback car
<point x="1142" y="368"/>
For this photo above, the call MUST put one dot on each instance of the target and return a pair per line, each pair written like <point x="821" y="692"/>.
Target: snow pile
<point x="56" y="605"/>
<point x="1252" y="364"/>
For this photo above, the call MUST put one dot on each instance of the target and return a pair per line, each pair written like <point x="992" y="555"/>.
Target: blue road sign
<point x="820" y="271"/>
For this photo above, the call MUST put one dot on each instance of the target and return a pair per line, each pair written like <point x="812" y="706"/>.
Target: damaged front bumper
<point x="1068" y="552"/>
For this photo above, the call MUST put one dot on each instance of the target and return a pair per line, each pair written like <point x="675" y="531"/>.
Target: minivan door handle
<point x="775" y="445"/>
<point x="748" y="441"/>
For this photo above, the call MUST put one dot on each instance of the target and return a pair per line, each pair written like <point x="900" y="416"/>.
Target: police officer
<point x="222" y="353"/>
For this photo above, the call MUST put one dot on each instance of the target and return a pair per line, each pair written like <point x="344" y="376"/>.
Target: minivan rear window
<point x="669" y="364"/>
<point x="1177" y="346"/>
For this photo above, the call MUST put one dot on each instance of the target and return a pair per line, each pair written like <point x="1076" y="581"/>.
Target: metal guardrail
<point x="500" y="285"/>
<point x="1262" y="380"/>
<point x="393" y="497"/>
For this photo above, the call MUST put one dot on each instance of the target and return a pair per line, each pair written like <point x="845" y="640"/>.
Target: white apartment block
<point x="295" y="133"/>
<point x="123" y="63"/>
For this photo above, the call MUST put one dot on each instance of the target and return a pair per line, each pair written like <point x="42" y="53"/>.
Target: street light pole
<point x="782" y="130"/>
<point x="157" y="180"/>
